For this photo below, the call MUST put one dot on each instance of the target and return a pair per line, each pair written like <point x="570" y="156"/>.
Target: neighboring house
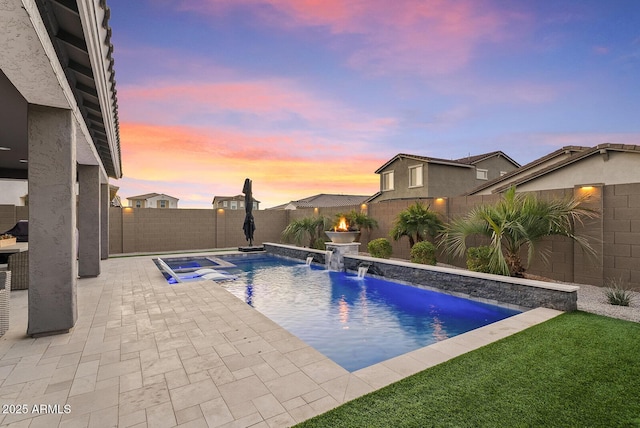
<point x="410" y="176"/>
<point x="153" y="200"/>
<point x="324" y="200"/>
<point x="232" y="202"/>
<point x="570" y="166"/>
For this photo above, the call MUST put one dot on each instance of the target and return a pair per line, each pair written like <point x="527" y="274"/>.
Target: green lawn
<point x="576" y="370"/>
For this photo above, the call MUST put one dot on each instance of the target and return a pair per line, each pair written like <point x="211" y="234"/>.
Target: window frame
<point x="419" y="183"/>
<point x="482" y="174"/>
<point x="391" y="181"/>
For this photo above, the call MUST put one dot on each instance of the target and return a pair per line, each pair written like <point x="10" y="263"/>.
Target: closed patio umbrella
<point x="249" y="225"/>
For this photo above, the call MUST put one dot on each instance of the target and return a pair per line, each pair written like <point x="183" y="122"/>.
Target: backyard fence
<point x="615" y="234"/>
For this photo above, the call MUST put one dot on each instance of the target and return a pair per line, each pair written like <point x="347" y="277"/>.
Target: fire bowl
<point x="342" y="237"/>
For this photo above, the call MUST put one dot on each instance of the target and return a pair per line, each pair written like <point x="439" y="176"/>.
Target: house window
<point x="415" y="176"/>
<point x="503" y="173"/>
<point x="482" y="174"/>
<point x="387" y="180"/>
<point x="234" y="205"/>
<point x="255" y="205"/>
<point x="163" y="204"/>
<point x="225" y="204"/>
<point x="241" y="204"/>
<point x="138" y="204"/>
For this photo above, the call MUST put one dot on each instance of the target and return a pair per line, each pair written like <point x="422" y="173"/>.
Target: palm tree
<point x="417" y="223"/>
<point x="313" y="227"/>
<point x="514" y="222"/>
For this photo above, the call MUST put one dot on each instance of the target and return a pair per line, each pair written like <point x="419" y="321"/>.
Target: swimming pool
<point x="354" y="321"/>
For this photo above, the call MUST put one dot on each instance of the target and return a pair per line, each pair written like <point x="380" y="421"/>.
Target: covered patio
<point x="59" y="131"/>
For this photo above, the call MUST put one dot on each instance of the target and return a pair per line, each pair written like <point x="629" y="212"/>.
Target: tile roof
<point x="325" y="200"/>
<point x="465" y="162"/>
<point x="150" y="195"/>
<point x="576" y="153"/>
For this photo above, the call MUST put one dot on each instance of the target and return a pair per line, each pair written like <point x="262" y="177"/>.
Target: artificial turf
<point x="576" y="370"/>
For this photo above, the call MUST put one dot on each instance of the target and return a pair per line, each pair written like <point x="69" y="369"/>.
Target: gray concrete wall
<point x="492" y="288"/>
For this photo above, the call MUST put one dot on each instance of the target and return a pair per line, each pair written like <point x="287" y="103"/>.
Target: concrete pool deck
<point x="144" y="353"/>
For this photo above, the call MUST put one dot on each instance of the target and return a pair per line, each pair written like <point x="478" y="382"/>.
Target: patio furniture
<point x="5" y="301"/>
<point x="18" y="264"/>
<point x="20" y="231"/>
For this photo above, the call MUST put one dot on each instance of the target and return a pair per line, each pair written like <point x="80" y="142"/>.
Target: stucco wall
<point x="12" y="192"/>
<point x="617" y="168"/>
<point x="615" y="235"/>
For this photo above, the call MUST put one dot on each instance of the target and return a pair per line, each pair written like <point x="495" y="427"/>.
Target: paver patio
<point x="145" y="353"/>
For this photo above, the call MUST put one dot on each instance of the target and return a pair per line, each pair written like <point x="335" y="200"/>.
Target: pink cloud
<point x="260" y="101"/>
<point x="184" y="162"/>
<point x="425" y="37"/>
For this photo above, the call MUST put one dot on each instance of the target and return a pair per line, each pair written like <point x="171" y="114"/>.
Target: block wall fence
<point x="615" y="234"/>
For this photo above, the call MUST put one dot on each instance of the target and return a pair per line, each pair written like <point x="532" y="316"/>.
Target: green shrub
<point x="478" y="259"/>
<point x="319" y="244"/>
<point x="380" y="247"/>
<point x="423" y="252"/>
<point x="618" y="293"/>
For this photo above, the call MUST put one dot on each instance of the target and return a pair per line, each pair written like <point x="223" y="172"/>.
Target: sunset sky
<point x="312" y="96"/>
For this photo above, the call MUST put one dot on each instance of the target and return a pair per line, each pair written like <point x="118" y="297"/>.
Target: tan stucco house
<point x="153" y="200"/>
<point x="232" y="202"/>
<point x="408" y="176"/>
<point x="324" y="200"/>
<point x="571" y="166"/>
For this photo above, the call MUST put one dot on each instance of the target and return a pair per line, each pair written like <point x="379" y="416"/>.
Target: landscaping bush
<point x="478" y="259"/>
<point x="380" y="247"/>
<point x="319" y="244"/>
<point x="423" y="252"/>
<point x="617" y="293"/>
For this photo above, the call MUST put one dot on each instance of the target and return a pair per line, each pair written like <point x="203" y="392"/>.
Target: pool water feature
<point x="180" y="269"/>
<point x="354" y="321"/>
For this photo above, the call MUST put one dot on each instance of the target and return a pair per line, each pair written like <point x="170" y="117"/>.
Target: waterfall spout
<point x="362" y="269"/>
<point x="327" y="259"/>
<point x="309" y="260"/>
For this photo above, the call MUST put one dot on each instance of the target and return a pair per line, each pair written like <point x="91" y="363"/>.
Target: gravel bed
<point x="592" y="299"/>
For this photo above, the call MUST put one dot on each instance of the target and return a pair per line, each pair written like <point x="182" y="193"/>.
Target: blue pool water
<point x="354" y="321"/>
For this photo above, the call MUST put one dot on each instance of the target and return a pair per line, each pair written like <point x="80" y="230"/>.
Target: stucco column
<point x="105" y="204"/>
<point x="52" y="221"/>
<point x="89" y="221"/>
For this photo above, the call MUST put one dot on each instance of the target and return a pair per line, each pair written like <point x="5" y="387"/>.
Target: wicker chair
<point x="5" y="301"/>
<point x="18" y="264"/>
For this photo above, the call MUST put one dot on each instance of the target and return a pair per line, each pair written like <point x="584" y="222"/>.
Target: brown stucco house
<point x="571" y="166"/>
<point x="408" y="176"/>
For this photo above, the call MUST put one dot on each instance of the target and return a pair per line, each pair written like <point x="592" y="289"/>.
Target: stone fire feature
<point x="338" y="251"/>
